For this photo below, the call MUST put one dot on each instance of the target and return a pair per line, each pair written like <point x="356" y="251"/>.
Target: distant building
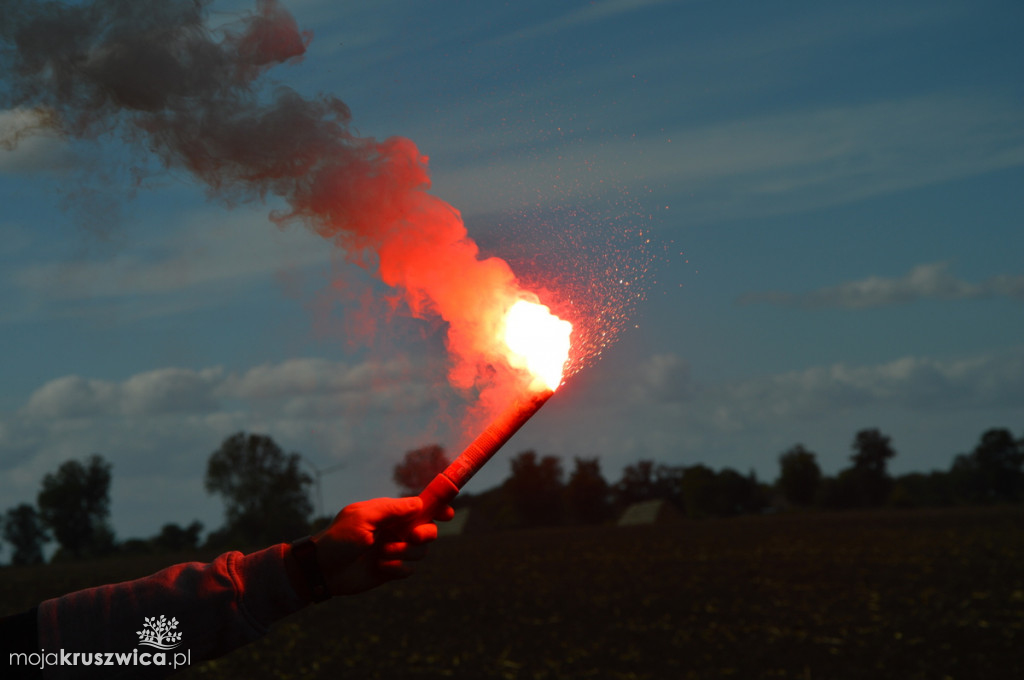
<point x="649" y="512"/>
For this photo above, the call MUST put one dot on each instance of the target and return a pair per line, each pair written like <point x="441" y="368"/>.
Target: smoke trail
<point x="155" y="73"/>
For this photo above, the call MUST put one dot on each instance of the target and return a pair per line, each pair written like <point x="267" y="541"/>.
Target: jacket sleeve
<point x="215" y="607"/>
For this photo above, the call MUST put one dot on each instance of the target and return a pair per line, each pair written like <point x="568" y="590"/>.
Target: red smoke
<point x="154" y="72"/>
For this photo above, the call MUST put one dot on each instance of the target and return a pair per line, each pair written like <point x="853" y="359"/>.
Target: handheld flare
<point x="446" y="485"/>
<point x="536" y="341"/>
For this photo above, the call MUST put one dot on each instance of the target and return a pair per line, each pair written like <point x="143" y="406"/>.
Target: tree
<point x="75" y="504"/>
<point x="697" y="486"/>
<point x="265" y="491"/>
<point x="840" y="492"/>
<point x="587" y="493"/>
<point x="173" y="538"/>
<point x="922" y="490"/>
<point x="799" y="475"/>
<point x="535" y="488"/>
<point x="870" y="480"/>
<point x="638" y="483"/>
<point x="418" y="467"/>
<point x="24" y="531"/>
<point x="735" y="494"/>
<point x="992" y="471"/>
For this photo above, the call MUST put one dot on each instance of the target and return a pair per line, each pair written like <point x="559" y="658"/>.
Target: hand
<point x="372" y="542"/>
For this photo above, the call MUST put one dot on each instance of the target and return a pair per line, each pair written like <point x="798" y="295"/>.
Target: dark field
<point x="926" y="594"/>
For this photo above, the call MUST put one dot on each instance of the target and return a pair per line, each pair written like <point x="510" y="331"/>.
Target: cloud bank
<point x="926" y="281"/>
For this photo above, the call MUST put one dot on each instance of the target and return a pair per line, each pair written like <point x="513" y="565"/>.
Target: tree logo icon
<point x="159" y="633"/>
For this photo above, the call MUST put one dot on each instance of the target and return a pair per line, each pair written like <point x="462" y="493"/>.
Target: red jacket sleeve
<point x="207" y="610"/>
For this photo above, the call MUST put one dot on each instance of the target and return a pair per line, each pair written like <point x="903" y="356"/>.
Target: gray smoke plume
<point x="154" y="73"/>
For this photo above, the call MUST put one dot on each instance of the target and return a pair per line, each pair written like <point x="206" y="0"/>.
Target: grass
<point x="915" y="594"/>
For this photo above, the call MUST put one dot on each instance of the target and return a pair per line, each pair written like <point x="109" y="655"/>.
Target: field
<point x="923" y="594"/>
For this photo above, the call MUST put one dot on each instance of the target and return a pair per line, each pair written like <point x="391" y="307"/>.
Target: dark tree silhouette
<point x="173" y="538"/>
<point x="697" y="487"/>
<point x="735" y="494"/>
<point x="535" y="488"/>
<point x="869" y="478"/>
<point x="992" y="471"/>
<point x="639" y="482"/>
<point x="264" y="489"/>
<point x="918" y="489"/>
<point x="799" y="476"/>
<point x="75" y="503"/>
<point x="418" y="467"/>
<point x="23" y="529"/>
<point x="588" y="494"/>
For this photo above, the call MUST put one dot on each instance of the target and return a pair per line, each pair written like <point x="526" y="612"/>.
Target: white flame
<point x="538" y="341"/>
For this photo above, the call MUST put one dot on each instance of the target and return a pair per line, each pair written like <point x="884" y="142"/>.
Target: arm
<point x="234" y="599"/>
<point x="218" y="606"/>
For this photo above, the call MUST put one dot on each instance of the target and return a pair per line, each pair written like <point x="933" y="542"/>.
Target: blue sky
<point x="825" y="200"/>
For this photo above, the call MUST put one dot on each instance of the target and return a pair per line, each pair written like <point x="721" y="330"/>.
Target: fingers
<point x="423" y="533"/>
<point x="395" y="558"/>
<point x="406" y="552"/>
<point x="413" y="546"/>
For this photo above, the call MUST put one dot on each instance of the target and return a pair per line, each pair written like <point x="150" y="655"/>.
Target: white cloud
<point x="159" y="392"/>
<point x="169" y="390"/>
<point x="314" y="388"/>
<point x="913" y="383"/>
<point x="71" y="396"/>
<point x="925" y="281"/>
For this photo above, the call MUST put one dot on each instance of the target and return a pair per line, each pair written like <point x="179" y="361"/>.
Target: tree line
<point x="266" y="494"/>
<point x="538" y="492"/>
